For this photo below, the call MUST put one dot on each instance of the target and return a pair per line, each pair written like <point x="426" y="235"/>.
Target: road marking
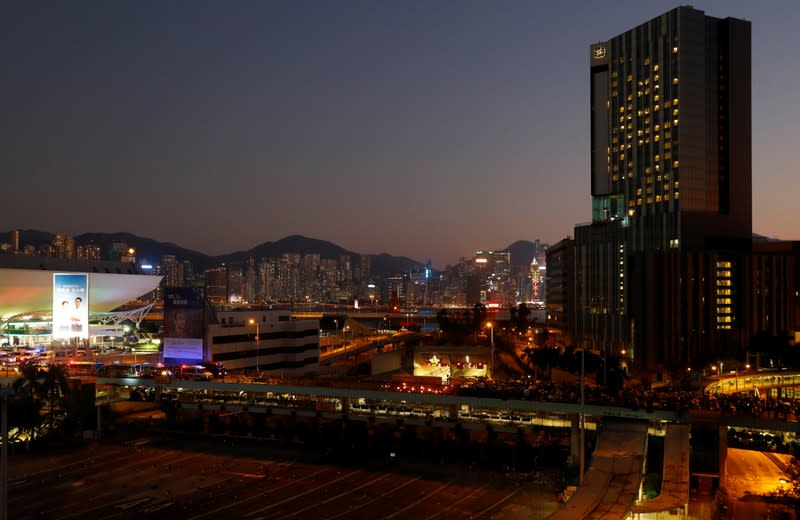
<point x="132" y="503"/>
<point x="375" y="499"/>
<point x="312" y="490"/>
<point x="365" y="484"/>
<point x="424" y="497"/>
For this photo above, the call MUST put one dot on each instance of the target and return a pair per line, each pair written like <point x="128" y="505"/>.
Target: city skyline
<point x="413" y="129"/>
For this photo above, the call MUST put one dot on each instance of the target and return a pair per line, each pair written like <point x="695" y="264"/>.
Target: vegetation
<point x="43" y="406"/>
<point x="791" y="491"/>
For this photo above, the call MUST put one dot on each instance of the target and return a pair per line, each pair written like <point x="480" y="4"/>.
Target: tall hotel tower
<point x="658" y="270"/>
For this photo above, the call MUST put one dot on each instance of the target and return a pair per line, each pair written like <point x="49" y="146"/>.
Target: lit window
<point x="674" y="81"/>
<point x="676" y="164"/>
<point x="675" y="50"/>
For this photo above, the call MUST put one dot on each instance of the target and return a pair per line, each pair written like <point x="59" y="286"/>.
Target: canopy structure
<point x="26" y="284"/>
<point x="115" y="318"/>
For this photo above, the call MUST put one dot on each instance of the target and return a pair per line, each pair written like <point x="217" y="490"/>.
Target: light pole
<point x="491" y="344"/>
<point x="258" y="341"/>
<point x="336" y="325"/>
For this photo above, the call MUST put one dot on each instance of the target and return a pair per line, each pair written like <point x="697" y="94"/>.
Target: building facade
<point x="659" y="272"/>
<point x="263" y="340"/>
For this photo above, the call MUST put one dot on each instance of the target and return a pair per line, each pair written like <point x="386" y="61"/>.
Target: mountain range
<point x="147" y="249"/>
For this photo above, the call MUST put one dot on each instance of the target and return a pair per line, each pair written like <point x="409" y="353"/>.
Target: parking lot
<point x="220" y="478"/>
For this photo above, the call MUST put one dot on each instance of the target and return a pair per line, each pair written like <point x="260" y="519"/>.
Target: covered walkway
<point x="611" y="486"/>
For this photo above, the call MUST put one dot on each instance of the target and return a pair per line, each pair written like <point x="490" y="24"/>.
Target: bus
<point x="123" y="370"/>
<point x="84" y="368"/>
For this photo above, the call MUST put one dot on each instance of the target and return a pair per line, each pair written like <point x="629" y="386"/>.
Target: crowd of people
<point x="635" y="397"/>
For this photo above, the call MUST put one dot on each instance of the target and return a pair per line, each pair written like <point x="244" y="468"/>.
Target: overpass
<point x="616" y="464"/>
<point x="376" y="343"/>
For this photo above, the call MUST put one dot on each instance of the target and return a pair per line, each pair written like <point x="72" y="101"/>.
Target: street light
<point x="336" y="324"/>
<point x="258" y="343"/>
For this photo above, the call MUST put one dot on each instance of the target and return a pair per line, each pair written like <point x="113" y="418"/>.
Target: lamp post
<point x="491" y="344"/>
<point x="258" y="341"/>
<point x="336" y="325"/>
<point x="125" y="330"/>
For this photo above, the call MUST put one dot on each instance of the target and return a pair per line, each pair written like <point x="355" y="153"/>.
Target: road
<point x="213" y="478"/>
<point x="752" y="474"/>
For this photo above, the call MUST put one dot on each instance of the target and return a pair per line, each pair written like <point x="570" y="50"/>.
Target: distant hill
<point x="523" y="251"/>
<point x="290" y="244"/>
<point x="146" y="248"/>
<point x="152" y="250"/>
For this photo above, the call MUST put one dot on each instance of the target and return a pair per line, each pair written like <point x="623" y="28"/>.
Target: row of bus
<point x="139" y="370"/>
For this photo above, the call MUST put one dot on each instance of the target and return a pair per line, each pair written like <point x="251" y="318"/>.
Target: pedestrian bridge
<point x="788" y="382"/>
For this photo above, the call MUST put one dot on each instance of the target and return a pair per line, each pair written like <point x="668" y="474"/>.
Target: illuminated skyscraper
<point x="657" y="270"/>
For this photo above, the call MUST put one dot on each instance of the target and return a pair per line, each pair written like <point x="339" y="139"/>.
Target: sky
<point x="424" y="129"/>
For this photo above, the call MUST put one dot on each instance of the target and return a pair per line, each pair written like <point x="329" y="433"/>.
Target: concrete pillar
<point x="345" y="405"/>
<point x="452" y="412"/>
<point x="575" y="439"/>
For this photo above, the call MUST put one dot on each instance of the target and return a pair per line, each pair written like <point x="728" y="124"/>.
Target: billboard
<point x="70" y="305"/>
<point x="183" y="324"/>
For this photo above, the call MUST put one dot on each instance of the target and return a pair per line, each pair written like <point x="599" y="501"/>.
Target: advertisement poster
<point x="183" y="324"/>
<point x="70" y="305"/>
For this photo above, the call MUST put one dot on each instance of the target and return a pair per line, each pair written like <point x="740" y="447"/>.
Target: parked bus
<point x="84" y="368"/>
<point x="123" y="370"/>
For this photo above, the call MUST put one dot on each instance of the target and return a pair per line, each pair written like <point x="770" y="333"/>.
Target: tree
<point x="36" y="390"/>
<point x="478" y="316"/>
<point x="520" y="317"/>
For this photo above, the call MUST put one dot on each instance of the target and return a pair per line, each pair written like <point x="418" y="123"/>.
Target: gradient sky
<point x="424" y="129"/>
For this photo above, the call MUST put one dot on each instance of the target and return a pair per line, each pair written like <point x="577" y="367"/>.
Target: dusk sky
<point x="423" y="129"/>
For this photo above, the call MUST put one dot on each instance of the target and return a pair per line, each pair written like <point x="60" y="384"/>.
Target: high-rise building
<point x="217" y="285"/>
<point x="658" y="269"/>
<point x="171" y="270"/>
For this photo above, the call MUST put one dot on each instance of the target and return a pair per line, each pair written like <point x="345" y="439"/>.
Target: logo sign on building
<point x="70" y="305"/>
<point x="183" y="324"/>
